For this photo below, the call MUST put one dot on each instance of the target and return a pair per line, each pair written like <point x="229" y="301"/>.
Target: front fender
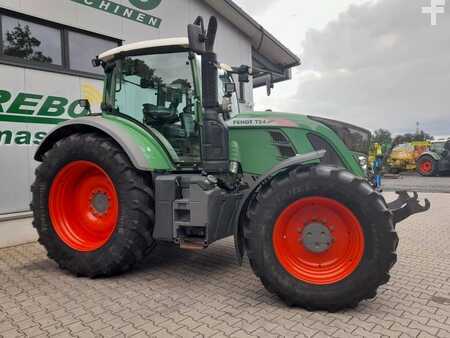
<point x="299" y="160"/>
<point x="143" y="147"/>
<point x="434" y="155"/>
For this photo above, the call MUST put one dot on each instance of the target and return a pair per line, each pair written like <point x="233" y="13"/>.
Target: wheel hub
<point x="426" y="166"/>
<point x="316" y="238"/>
<point x="100" y="203"/>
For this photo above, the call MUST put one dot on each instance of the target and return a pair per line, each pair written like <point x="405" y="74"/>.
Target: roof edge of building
<point x="265" y="40"/>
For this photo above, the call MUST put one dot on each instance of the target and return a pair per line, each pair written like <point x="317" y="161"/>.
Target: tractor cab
<point x="157" y="84"/>
<point x="439" y="147"/>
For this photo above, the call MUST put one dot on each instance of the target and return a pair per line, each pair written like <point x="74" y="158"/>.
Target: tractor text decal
<point x="114" y="8"/>
<point x="253" y="122"/>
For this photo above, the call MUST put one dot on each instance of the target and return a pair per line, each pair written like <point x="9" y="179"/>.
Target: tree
<point x="21" y="43"/>
<point x="382" y="136"/>
<point x="409" y="137"/>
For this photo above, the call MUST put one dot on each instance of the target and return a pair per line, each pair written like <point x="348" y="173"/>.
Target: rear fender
<point x="143" y="147"/>
<point x="296" y="161"/>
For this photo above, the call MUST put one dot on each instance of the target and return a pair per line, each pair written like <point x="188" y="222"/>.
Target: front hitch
<point x="405" y="206"/>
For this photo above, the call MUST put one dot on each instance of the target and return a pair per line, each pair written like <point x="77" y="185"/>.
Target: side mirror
<point x="226" y="107"/>
<point x="197" y="36"/>
<point x="264" y="80"/>
<point x="96" y="62"/>
<point x="269" y="84"/>
<point x="230" y="88"/>
<point x="84" y="103"/>
<point x="244" y="73"/>
<point x="200" y="40"/>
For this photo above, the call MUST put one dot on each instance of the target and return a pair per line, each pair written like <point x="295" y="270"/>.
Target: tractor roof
<point x="144" y="45"/>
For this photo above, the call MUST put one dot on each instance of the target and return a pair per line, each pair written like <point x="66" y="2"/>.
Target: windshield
<point x="158" y="90"/>
<point x="437" y="147"/>
<point x="160" y="80"/>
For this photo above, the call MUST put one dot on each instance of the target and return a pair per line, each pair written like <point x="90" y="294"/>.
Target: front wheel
<point x="92" y="209"/>
<point x="320" y="238"/>
<point x="426" y="166"/>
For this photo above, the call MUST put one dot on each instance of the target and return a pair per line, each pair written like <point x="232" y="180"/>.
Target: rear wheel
<point x="320" y="238"/>
<point x="426" y="166"/>
<point x="92" y="209"/>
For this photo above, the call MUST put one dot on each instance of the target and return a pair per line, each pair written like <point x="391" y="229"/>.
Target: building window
<point x="47" y="46"/>
<point x="83" y="48"/>
<point x="31" y="41"/>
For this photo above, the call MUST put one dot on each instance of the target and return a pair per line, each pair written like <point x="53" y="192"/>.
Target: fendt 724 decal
<point x="255" y="122"/>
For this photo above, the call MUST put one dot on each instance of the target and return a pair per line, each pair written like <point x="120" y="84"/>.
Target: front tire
<point x="320" y="238"/>
<point x="426" y="166"/>
<point x="92" y="209"/>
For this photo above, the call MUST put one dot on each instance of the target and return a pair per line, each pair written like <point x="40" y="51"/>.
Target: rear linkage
<point x="405" y="206"/>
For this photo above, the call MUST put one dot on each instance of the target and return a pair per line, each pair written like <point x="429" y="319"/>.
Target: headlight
<point x="234" y="167"/>
<point x="363" y="162"/>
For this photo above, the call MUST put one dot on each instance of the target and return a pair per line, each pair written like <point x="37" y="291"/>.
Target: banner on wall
<point x="39" y="109"/>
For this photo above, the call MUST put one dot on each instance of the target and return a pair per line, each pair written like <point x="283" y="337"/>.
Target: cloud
<point x="289" y="20"/>
<point x="378" y="65"/>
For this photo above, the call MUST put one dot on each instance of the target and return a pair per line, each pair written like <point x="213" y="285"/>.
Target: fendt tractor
<point x="171" y="159"/>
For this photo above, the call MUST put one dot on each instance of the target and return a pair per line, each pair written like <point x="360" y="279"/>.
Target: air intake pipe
<point x="215" y="139"/>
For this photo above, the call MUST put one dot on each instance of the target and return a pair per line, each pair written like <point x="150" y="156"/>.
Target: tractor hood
<point x="355" y="138"/>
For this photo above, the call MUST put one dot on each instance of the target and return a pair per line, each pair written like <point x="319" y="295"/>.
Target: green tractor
<point x="171" y="159"/>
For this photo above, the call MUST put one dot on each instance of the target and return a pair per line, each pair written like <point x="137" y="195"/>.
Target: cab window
<point x="158" y="91"/>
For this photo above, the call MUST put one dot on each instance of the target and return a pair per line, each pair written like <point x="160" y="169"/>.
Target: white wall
<point x="16" y="163"/>
<point x="233" y="47"/>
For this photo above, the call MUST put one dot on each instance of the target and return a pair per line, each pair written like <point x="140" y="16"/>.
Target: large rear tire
<point x="320" y="238"/>
<point x="92" y="209"/>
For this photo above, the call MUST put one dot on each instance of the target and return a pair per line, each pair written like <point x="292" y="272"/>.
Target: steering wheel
<point x="159" y="115"/>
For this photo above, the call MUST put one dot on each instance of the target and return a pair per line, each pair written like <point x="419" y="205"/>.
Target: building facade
<point x="45" y="65"/>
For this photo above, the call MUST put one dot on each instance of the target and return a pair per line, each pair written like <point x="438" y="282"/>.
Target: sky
<point x="374" y="63"/>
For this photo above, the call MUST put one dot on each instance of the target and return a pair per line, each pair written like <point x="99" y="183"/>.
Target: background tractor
<point x="436" y="160"/>
<point x="171" y="159"/>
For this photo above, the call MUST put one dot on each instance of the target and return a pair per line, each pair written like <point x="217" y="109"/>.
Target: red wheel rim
<point x="344" y="251"/>
<point x="84" y="206"/>
<point x="426" y="167"/>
